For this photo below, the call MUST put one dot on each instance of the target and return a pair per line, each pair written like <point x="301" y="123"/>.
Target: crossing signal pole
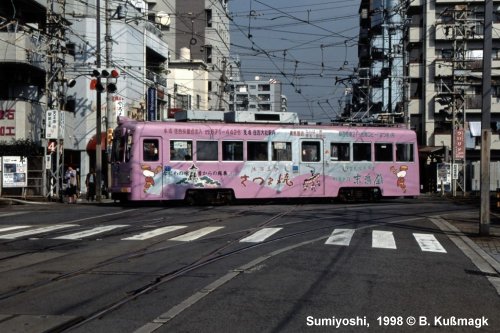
<point x="98" y="134"/>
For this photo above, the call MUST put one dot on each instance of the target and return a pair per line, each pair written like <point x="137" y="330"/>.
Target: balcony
<point x="21" y="47"/>
<point x="415" y="34"/>
<point x="415" y="3"/>
<point x="414" y="106"/>
<point x="154" y="41"/>
<point x="443" y="68"/>
<point x="455" y="1"/>
<point x="156" y="78"/>
<point x="416" y="70"/>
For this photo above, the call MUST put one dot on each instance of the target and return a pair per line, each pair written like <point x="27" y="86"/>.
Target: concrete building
<point x="49" y="51"/>
<point x="256" y="95"/>
<point x="434" y="51"/>
<point x="200" y="29"/>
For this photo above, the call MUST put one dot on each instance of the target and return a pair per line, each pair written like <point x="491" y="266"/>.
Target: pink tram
<point x="223" y="161"/>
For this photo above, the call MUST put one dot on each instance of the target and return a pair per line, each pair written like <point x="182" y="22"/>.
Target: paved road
<point x="245" y="268"/>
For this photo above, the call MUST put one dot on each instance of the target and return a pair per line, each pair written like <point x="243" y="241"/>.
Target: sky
<point x="306" y="45"/>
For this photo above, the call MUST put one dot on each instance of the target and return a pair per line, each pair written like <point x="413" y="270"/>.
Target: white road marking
<point x="340" y="237"/>
<point x="260" y="235"/>
<point x="91" y="232"/>
<point x="13" y="214"/>
<point x="155" y="232"/>
<point x="429" y="243"/>
<point x="383" y="239"/>
<point x="193" y="235"/>
<point x="14" y="228"/>
<point x="36" y="231"/>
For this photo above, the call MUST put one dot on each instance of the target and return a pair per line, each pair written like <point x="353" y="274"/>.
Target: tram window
<point x="150" y="150"/>
<point x="339" y="151"/>
<point x="181" y="150"/>
<point x="232" y="150"/>
<point x="361" y="152"/>
<point x="311" y="151"/>
<point x="128" y="147"/>
<point x="256" y="151"/>
<point x="206" y="151"/>
<point x="404" y="152"/>
<point x="383" y="152"/>
<point x="282" y="151"/>
<point x="118" y="148"/>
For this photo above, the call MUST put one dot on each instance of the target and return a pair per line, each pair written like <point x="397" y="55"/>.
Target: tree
<point x="21" y="147"/>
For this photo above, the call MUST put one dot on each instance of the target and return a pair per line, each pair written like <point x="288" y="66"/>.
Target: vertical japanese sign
<point x="15" y="171"/>
<point x="51" y="124"/>
<point x="151" y="104"/>
<point x="459" y="144"/>
<point x="55" y="122"/>
<point x="119" y="106"/>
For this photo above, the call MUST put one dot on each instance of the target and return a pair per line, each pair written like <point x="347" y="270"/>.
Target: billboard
<point x="14" y="171"/>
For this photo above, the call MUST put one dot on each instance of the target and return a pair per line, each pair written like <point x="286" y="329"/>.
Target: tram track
<point x="210" y="258"/>
<point x="213" y="256"/>
<point x="126" y="256"/>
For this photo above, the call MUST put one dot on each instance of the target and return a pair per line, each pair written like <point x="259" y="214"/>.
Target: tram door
<point x="312" y="165"/>
<point x="151" y="167"/>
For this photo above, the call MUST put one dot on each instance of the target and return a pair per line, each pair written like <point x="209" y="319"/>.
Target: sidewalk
<point x="468" y="224"/>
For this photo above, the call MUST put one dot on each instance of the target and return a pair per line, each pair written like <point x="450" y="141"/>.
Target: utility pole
<point x="461" y="33"/>
<point x="484" y="227"/>
<point x="223" y="80"/>
<point x="98" y="120"/>
<point x="110" y="119"/>
<point x="55" y="83"/>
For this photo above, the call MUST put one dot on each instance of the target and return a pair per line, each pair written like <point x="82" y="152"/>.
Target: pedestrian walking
<point x="90" y="183"/>
<point x="72" y="182"/>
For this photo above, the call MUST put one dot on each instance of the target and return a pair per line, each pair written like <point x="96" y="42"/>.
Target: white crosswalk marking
<point x="383" y="239"/>
<point x="260" y="235"/>
<point x="429" y="243"/>
<point x="36" y="231"/>
<point x="193" y="235"/>
<point x="14" y="228"/>
<point x="340" y="237"/>
<point x="91" y="232"/>
<point x="155" y="232"/>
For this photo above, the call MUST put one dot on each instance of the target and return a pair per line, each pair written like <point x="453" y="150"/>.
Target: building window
<point x="208" y="53"/>
<point x="208" y="15"/>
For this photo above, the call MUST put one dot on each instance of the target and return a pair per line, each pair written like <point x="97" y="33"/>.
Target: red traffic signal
<point x="95" y="84"/>
<point x="115" y="74"/>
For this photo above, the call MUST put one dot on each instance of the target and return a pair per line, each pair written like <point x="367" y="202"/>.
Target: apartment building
<point x="199" y="29"/>
<point x="256" y="95"/>
<point x="434" y="50"/>
<point x="49" y="52"/>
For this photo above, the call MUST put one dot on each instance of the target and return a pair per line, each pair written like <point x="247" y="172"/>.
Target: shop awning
<point x="93" y="142"/>
<point x="427" y="149"/>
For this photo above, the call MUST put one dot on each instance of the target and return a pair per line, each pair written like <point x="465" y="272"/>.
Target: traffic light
<point x="109" y="136"/>
<point x="96" y="84"/>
